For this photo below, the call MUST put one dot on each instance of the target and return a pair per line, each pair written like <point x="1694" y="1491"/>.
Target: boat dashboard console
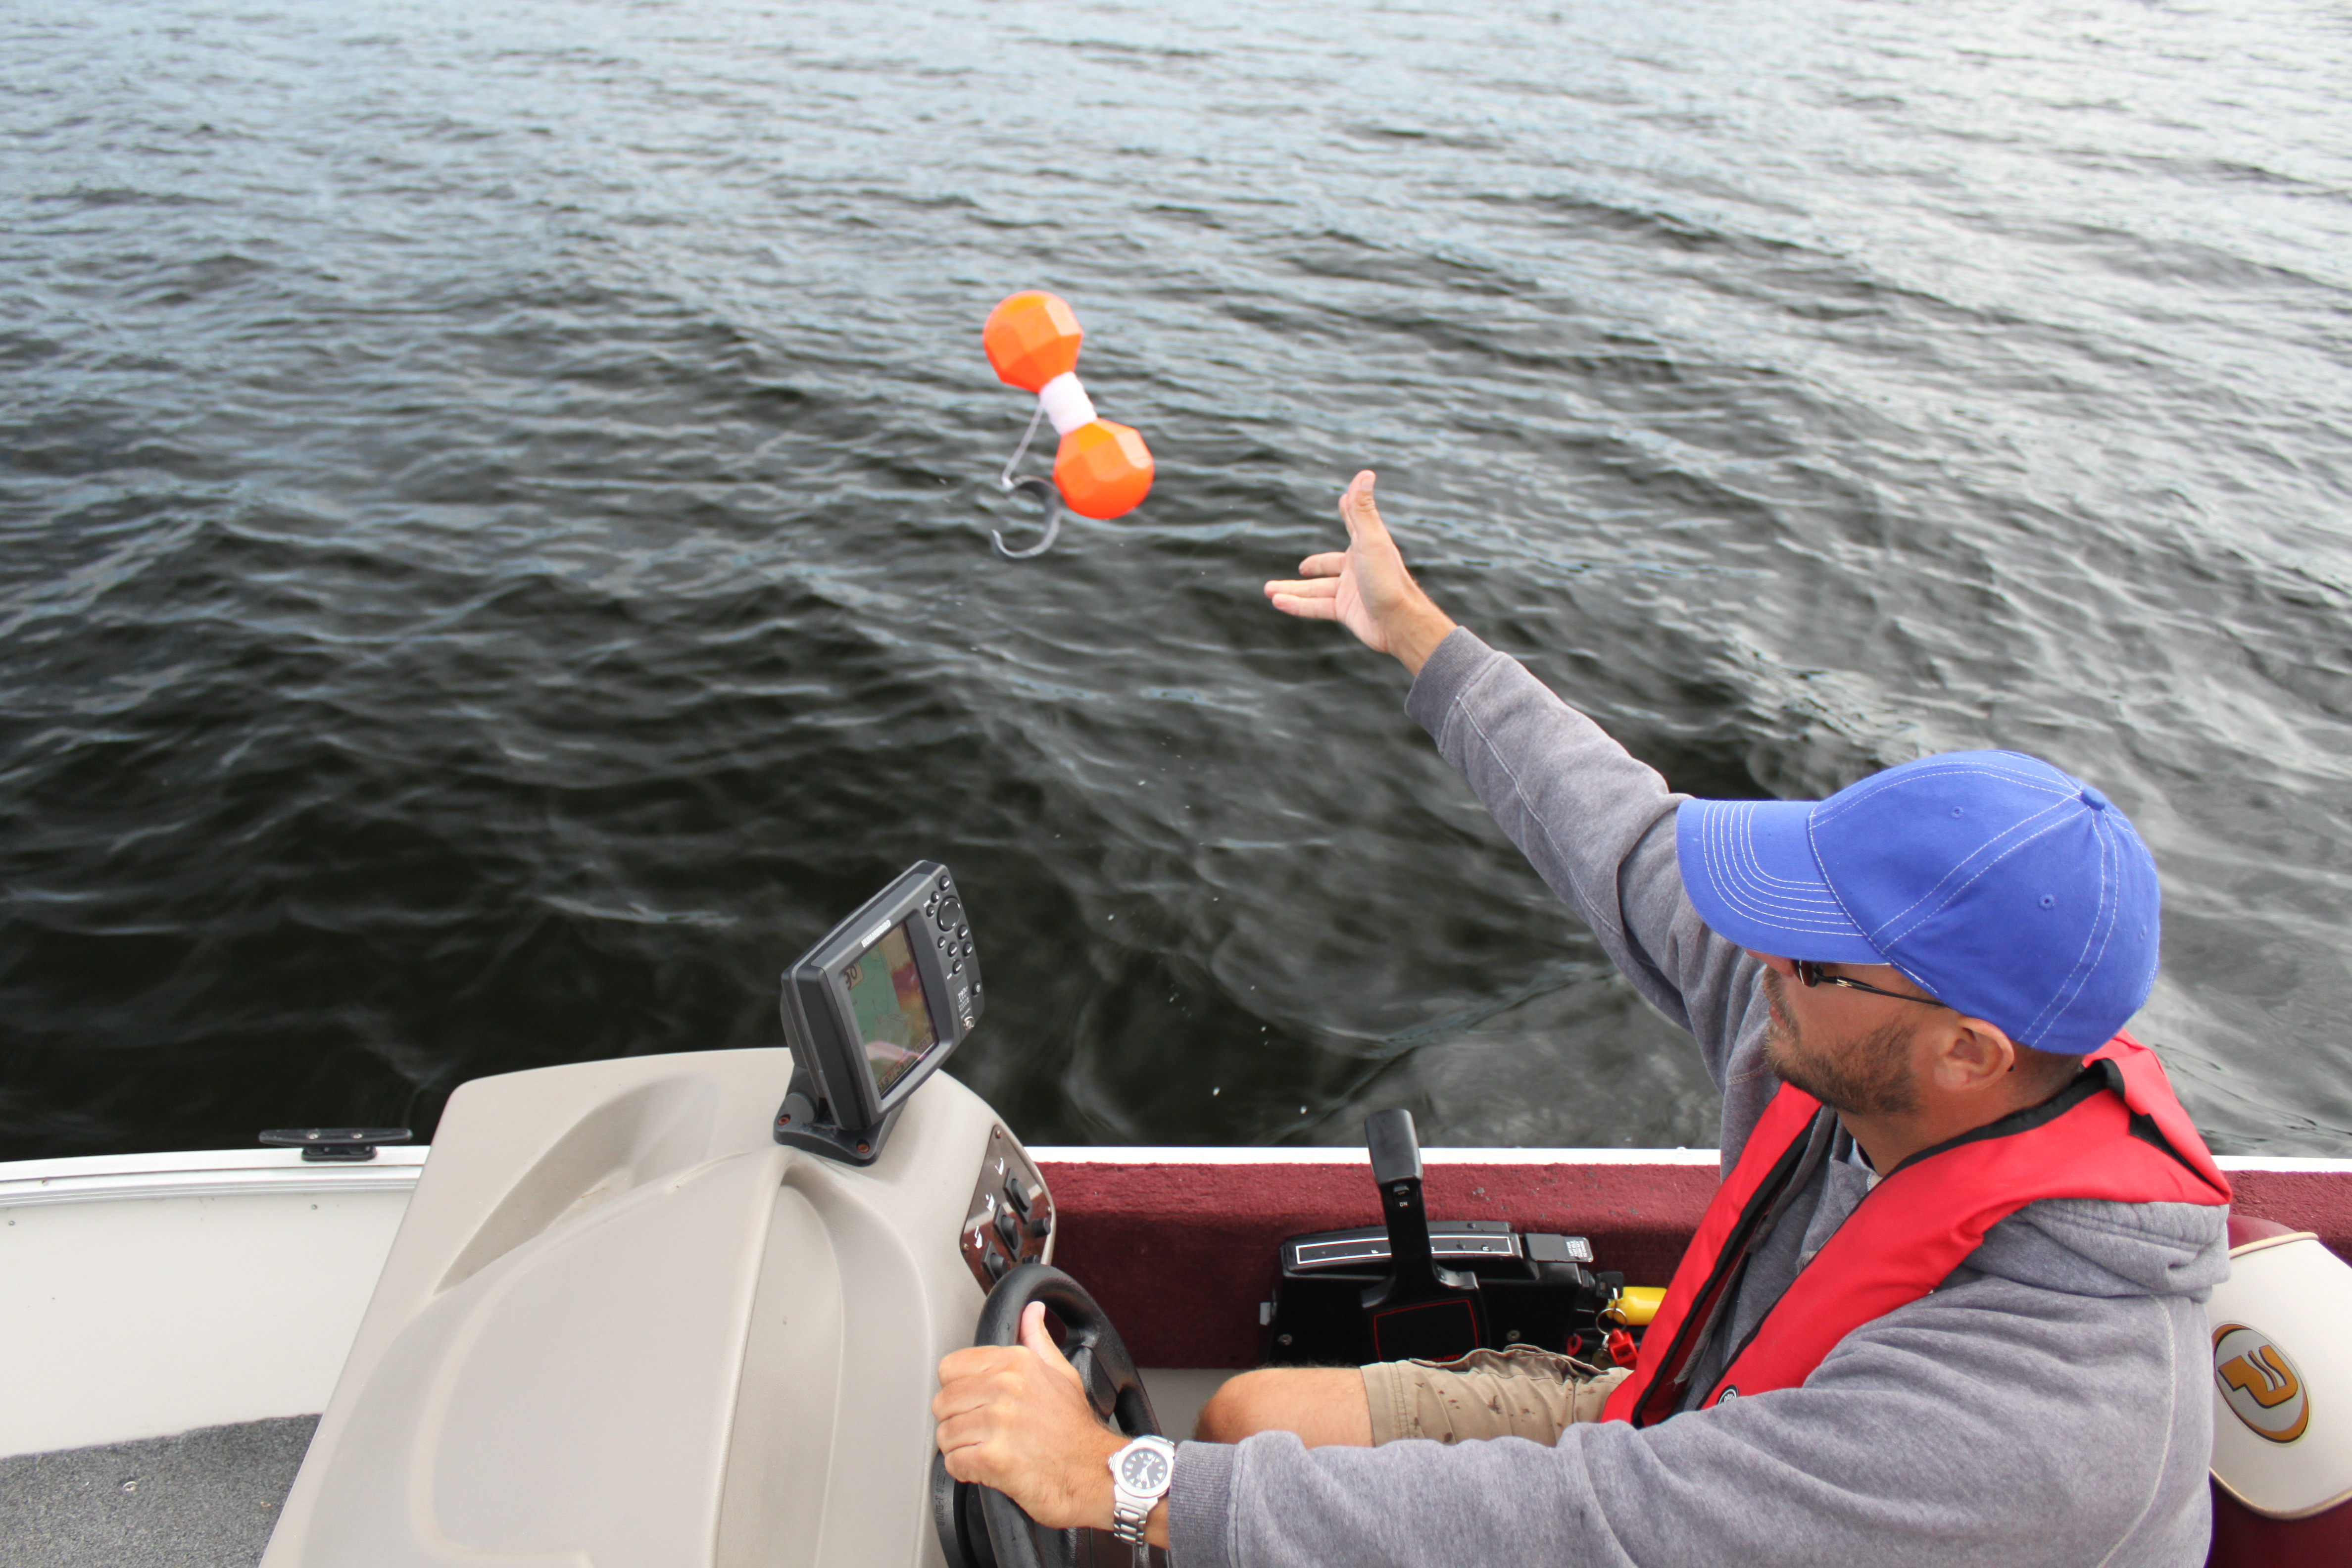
<point x="636" y="1318"/>
<point x="624" y="1325"/>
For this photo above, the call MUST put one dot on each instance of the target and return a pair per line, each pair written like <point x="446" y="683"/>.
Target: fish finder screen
<point x="893" y="1019"/>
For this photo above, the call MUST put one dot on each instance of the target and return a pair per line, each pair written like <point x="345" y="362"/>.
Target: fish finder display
<point x="871" y="1010"/>
<point x="893" y="1020"/>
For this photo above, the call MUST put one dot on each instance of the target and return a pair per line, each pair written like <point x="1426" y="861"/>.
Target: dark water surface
<point x="493" y="509"/>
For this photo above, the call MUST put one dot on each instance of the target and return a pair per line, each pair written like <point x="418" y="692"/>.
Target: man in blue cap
<point x="1945" y="1307"/>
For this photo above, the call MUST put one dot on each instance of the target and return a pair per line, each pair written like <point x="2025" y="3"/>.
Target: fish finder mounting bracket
<point x="874" y="1009"/>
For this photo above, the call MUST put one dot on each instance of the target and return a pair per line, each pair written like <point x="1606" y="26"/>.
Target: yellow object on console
<point x="1635" y="1304"/>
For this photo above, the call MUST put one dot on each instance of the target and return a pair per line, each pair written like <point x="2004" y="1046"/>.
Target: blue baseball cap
<point x="2001" y="886"/>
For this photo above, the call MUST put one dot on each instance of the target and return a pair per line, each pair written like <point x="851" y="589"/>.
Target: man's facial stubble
<point x="1868" y="1075"/>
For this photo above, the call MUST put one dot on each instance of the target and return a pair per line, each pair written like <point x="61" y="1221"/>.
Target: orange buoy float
<point x="1102" y="470"/>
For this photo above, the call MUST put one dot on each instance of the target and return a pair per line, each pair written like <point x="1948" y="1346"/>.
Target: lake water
<point x="494" y="508"/>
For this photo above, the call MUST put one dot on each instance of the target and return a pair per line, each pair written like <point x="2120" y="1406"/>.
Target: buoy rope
<point x="1048" y="497"/>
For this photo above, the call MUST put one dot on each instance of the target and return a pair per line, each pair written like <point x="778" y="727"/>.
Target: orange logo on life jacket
<point x="2259" y="1384"/>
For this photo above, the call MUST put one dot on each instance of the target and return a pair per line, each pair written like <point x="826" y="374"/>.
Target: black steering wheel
<point x="979" y="1526"/>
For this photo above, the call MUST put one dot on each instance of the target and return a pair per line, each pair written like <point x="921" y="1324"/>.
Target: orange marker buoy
<point x="1031" y="337"/>
<point x="1103" y="469"/>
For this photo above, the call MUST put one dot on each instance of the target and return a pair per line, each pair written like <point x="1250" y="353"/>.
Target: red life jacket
<point x="2115" y="1132"/>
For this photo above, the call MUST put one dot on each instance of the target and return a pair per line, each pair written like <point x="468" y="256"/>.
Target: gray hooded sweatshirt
<point x="2047" y="1405"/>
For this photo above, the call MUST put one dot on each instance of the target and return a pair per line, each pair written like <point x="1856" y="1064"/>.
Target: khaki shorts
<point x="1519" y="1393"/>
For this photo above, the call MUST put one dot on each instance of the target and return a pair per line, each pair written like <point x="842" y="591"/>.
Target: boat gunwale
<point x="231" y="1172"/>
<point x="203" y="1172"/>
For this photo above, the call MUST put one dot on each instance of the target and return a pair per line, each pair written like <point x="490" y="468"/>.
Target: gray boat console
<point x="623" y="1327"/>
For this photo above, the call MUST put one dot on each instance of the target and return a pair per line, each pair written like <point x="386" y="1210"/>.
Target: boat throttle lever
<point x="1421" y="1310"/>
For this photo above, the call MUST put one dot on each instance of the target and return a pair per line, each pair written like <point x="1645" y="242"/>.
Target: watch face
<point x="1144" y="1470"/>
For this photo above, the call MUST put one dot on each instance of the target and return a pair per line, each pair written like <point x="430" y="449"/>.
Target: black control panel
<point x="1434" y="1288"/>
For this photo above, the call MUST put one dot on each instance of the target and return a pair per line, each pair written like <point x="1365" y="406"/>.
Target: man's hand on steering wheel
<point x="1015" y="1417"/>
<point x="1366" y="587"/>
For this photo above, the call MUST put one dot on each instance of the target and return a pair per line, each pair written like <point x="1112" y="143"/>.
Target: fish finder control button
<point x="950" y="912"/>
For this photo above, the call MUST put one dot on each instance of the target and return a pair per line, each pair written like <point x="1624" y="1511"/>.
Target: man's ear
<point x="1970" y="1055"/>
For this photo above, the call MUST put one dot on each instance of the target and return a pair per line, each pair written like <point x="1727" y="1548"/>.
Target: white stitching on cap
<point x="2070" y="988"/>
<point x="1735" y="890"/>
<point x="2018" y="832"/>
<point x="1857" y="794"/>
<point x="1842" y="907"/>
<point x="1971" y="880"/>
<point x="2104" y="930"/>
<point x="2063" y="996"/>
<point x="1750" y="866"/>
<point x="1874" y="933"/>
<point x="2018" y="827"/>
<point x="1728" y="870"/>
<point x="2019" y="776"/>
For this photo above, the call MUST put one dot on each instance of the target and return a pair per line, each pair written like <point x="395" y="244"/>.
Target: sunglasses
<point x="1810" y="973"/>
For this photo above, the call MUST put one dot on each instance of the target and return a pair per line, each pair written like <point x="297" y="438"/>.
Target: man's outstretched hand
<point x="1365" y="587"/>
<point x="1015" y="1417"/>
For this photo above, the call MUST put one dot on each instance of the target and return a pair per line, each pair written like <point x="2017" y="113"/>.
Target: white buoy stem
<point x="1066" y="402"/>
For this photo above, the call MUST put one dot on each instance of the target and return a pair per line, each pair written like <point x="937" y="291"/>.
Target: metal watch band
<point x="1131" y="1508"/>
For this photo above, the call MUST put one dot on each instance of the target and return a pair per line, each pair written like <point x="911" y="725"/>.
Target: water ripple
<point x="495" y="509"/>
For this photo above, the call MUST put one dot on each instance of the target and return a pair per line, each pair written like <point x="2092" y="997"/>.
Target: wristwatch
<point x="1140" y="1474"/>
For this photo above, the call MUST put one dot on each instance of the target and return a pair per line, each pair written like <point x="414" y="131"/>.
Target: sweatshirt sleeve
<point x="1599" y="827"/>
<point x="1973" y="1429"/>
